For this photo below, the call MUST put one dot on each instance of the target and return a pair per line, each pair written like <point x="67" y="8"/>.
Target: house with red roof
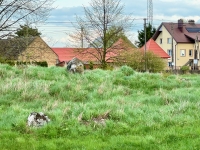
<point x="181" y="41"/>
<point x="152" y="46"/>
<point x="90" y="55"/>
<point x="86" y="55"/>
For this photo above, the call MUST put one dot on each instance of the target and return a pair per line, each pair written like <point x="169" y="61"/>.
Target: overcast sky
<point x="55" y="30"/>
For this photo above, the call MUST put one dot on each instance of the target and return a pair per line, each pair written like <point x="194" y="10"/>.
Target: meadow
<point x="99" y="110"/>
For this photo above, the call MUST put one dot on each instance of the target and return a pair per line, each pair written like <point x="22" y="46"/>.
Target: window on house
<point x="160" y="41"/>
<point x="190" y="53"/>
<point x="169" y="52"/>
<point x="182" y="52"/>
<point x="169" y="41"/>
<point x="169" y="64"/>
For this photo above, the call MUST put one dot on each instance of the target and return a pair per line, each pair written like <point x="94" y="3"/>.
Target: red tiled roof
<point x="66" y="54"/>
<point x="88" y="54"/>
<point x="151" y="45"/>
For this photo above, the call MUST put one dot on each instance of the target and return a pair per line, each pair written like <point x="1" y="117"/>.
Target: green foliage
<point x="91" y="66"/>
<point x="150" y="30"/>
<point x="127" y="71"/>
<point x="146" y="110"/>
<point x="26" y="31"/>
<point x="4" y="61"/>
<point x="42" y="64"/>
<point x="115" y="33"/>
<point x="12" y="63"/>
<point x="137" y="60"/>
<point x="185" y="69"/>
<point x="154" y="63"/>
<point x="109" y="30"/>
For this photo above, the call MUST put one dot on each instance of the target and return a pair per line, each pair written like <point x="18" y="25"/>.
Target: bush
<point x="185" y="69"/>
<point x="12" y="63"/>
<point x="4" y="61"/>
<point x="127" y="70"/>
<point x="91" y="65"/>
<point x="154" y="63"/>
<point x="42" y="64"/>
<point x="137" y="60"/>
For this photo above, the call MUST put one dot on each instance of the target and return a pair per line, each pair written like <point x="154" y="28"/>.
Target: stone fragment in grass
<point x="36" y="119"/>
<point x="75" y="66"/>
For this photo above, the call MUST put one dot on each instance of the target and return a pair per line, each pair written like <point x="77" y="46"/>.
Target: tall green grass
<point x="146" y="111"/>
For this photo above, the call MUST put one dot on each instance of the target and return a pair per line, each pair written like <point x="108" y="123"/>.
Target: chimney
<point x="191" y="21"/>
<point x="180" y="24"/>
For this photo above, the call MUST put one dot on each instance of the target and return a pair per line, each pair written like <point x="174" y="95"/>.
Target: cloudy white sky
<point x="55" y="30"/>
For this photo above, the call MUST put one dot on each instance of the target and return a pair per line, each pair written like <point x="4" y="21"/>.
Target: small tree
<point x="96" y="24"/>
<point x="154" y="62"/>
<point x="136" y="59"/>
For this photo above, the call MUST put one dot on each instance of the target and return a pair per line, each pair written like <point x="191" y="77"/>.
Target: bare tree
<point x="94" y="26"/>
<point x="12" y="12"/>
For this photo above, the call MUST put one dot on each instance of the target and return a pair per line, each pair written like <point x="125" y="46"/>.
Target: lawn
<point x="100" y="109"/>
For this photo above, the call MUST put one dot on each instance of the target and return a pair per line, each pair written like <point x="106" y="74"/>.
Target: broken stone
<point x="36" y="119"/>
<point x="75" y="66"/>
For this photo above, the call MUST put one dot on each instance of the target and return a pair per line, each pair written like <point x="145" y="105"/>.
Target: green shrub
<point x="139" y="62"/>
<point x="185" y="69"/>
<point x="91" y="65"/>
<point x="127" y="71"/>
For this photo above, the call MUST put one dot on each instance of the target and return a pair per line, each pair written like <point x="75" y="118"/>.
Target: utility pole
<point x="196" y="54"/>
<point x="145" y="40"/>
<point x="172" y="51"/>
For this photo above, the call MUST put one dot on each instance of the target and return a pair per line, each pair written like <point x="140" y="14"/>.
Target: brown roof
<point x="11" y="48"/>
<point x="180" y="36"/>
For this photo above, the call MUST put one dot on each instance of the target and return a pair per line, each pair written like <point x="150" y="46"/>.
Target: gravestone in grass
<point x="36" y="119"/>
<point x="75" y="66"/>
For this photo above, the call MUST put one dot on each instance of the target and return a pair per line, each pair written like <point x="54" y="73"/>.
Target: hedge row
<point x="12" y="63"/>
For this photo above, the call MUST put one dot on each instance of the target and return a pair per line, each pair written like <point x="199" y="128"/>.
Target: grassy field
<point x="99" y="110"/>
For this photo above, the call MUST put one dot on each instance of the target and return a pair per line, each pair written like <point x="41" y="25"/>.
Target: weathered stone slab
<point x="36" y="119"/>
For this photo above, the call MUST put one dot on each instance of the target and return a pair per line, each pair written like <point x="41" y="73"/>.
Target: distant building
<point x="181" y="41"/>
<point x="30" y="49"/>
<point x="152" y="46"/>
<point x="87" y="55"/>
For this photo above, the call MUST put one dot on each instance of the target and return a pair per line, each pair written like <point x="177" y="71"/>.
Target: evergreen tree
<point x="26" y="31"/>
<point x="150" y="30"/>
